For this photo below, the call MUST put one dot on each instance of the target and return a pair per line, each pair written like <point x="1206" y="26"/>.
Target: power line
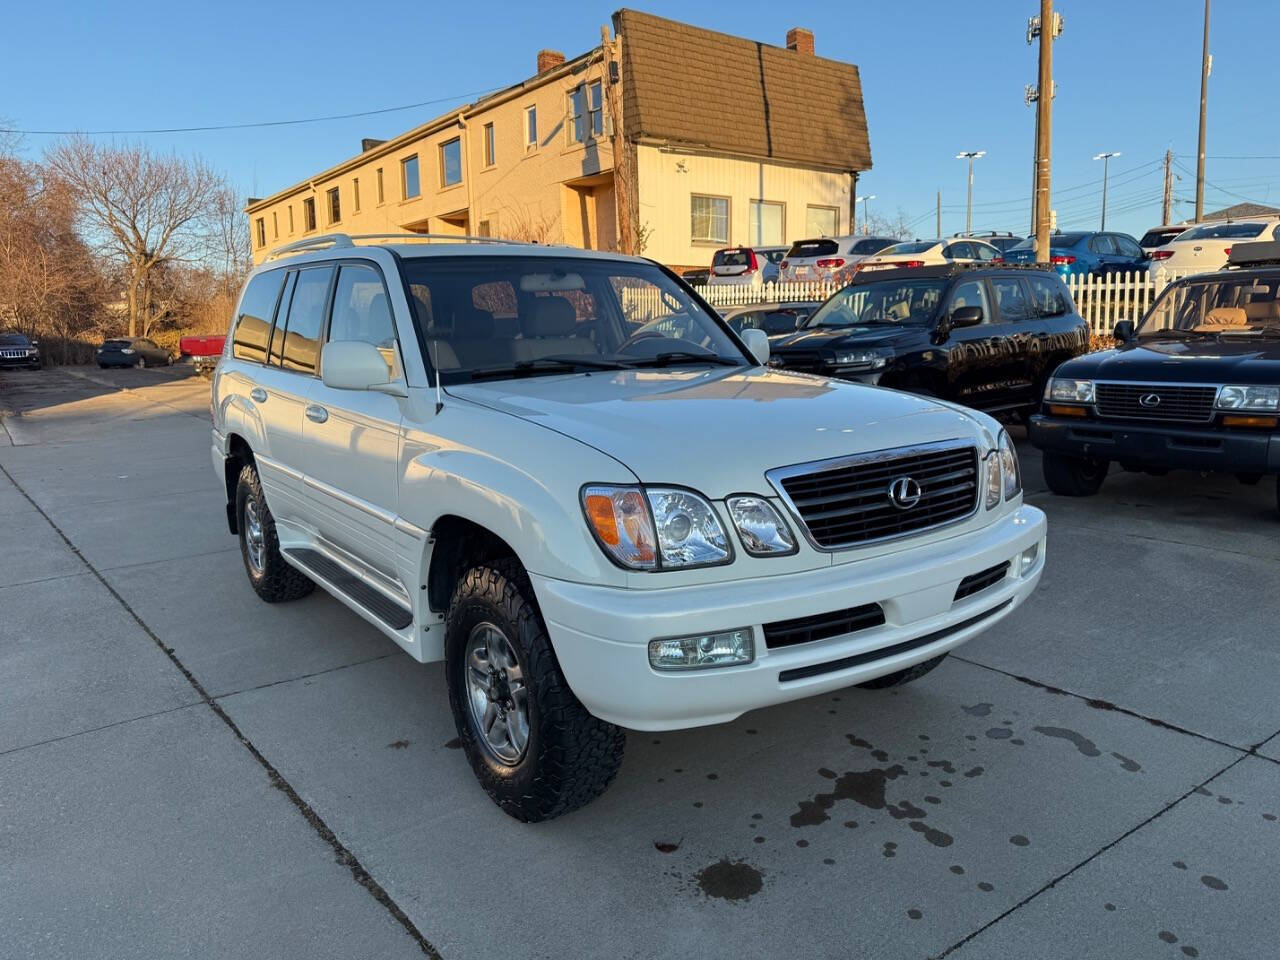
<point x="1214" y="186"/>
<point x="252" y="125"/>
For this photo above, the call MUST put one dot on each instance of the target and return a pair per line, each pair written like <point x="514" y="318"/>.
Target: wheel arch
<point x="239" y="456"/>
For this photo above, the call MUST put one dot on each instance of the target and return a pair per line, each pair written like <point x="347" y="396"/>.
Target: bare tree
<point x="141" y="209"/>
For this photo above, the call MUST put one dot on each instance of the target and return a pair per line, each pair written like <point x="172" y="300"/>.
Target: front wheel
<point x="533" y="746"/>
<point x="1073" y="476"/>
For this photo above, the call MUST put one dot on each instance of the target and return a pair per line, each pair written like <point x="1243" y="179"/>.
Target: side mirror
<point x="1123" y="331"/>
<point x="356" y="365"/>
<point x="757" y="342"/>
<point x="966" y="317"/>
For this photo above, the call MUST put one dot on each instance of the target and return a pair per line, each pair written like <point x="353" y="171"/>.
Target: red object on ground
<point x="209" y="345"/>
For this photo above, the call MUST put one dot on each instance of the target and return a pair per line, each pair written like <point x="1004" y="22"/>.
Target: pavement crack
<point x="105" y="726"/>
<point x="326" y="833"/>
<point x="303" y="676"/>
<point x="1087" y="860"/>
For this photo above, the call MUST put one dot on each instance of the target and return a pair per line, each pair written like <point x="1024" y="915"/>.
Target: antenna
<point x="435" y="362"/>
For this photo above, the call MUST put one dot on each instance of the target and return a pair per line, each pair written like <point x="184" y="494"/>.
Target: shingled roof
<point x="699" y="88"/>
<point x="1239" y="211"/>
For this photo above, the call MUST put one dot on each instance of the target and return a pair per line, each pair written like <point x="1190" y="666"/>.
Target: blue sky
<point x="938" y="78"/>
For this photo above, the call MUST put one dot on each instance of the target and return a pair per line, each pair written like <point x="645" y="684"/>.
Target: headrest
<point x="472" y="323"/>
<point x="551" y="317"/>
<point x="1262" y="309"/>
<point x="1226" y="317"/>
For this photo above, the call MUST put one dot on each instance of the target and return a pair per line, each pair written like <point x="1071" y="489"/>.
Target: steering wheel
<point x="638" y="337"/>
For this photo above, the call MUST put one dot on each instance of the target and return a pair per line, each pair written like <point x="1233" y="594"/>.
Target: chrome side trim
<point x="364" y="506"/>
<point x="779" y="474"/>
<point x="279" y="467"/>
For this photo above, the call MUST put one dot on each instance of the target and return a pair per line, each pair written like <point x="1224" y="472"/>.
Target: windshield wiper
<point x="1176" y="334"/>
<point x="668" y="357"/>
<point x="551" y="364"/>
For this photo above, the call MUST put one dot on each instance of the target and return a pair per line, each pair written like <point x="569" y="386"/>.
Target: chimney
<point x="800" y="40"/>
<point x="550" y="59"/>
<point x="368" y="143"/>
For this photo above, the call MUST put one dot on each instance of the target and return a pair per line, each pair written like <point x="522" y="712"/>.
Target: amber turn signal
<point x="1065" y="411"/>
<point x="1236" y="420"/>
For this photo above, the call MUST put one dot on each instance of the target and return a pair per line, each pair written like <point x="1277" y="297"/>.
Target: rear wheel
<point x="533" y="746"/>
<point x="140" y="362"/>
<point x="273" y="580"/>
<point x="899" y="677"/>
<point x="1073" y="476"/>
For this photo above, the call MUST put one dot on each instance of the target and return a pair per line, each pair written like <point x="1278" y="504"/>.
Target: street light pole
<point x="970" y="155"/>
<point x="866" y="224"/>
<point x="1106" y="162"/>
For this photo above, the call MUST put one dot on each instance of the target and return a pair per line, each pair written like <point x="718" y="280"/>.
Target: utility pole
<point x="623" y="184"/>
<point x="1106" y="163"/>
<point x="1047" y="27"/>
<point x="1206" y="64"/>
<point x="939" y="213"/>
<point x="866" y="222"/>
<point x="970" y="155"/>
<point x="1166" y="205"/>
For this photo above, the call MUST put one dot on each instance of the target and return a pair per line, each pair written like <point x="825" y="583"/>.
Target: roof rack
<point x="1259" y="253"/>
<point x="332" y="241"/>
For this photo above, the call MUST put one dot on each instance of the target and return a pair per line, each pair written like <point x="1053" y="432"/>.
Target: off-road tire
<point x="898" y="678"/>
<point x="1073" y="476"/>
<point x="277" y="582"/>
<point x="571" y="756"/>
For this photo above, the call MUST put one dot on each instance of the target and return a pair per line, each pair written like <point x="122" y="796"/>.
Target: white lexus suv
<point x="562" y="474"/>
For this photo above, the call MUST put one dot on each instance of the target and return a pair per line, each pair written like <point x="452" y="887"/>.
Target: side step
<point x="390" y="612"/>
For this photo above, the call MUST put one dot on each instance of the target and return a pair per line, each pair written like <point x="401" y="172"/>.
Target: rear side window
<point x="253" y="322"/>
<point x="1011" y="298"/>
<point x="1048" y="298"/>
<point x="813" y="248"/>
<point x="306" y="319"/>
<point x="1102" y="243"/>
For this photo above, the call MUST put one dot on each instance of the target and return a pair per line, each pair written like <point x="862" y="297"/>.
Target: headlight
<point x="1249" y="398"/>
<point x="762" y="530"/>
<point x="1070" y="391"/>
<point x="726" y="649"/>
<point x="127" y="350"/>
<point x="655" y="528"/>
<point x="1009" y="468"/>
<point x="991" y="468"/>
<point x="870" y="359"/>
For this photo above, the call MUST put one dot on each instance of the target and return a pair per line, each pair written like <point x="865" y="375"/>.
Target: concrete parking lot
<point x="186" y="771"/>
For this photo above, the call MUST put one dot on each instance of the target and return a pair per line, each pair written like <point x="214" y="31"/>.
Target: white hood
<point x="718" y="430"/>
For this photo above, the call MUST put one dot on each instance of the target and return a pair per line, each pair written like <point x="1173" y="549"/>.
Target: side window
<point x="1047" y="296"/>
<point x="1011" y="298"/>
<point x="1103" y="244"/>
<point x="984" y="252"/>
<point x="277" y="335"/>
<point x="361" y="312"/>
<point x="1127" y="247"/>
<point x="306" y="319"/>
<point x="971" y="293"/>
<point x="253" y="322"/>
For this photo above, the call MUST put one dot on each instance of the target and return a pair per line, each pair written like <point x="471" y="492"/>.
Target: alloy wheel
<point x="497" y="694"/>
<point x="254" y="539"/>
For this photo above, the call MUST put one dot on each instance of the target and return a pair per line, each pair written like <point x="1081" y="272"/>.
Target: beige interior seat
<point x="1262" y="309"/>
<point x="548" y="331"/>
<point x="1222" y="318"/>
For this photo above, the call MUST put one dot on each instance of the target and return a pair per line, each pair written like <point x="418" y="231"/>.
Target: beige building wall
<point x="552" y="191"/>
<point x="668" y="179"/>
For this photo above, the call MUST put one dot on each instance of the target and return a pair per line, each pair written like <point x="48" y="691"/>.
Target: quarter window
<point x="306" y="319"/>
<point x="361" y="312"/>
<point x="451" y="162"/>
<point x="709" y="219"/>
<point x="1011" y="298"/>
<point x="1048" y="299"/>
<point x="765" y="227"/>
<point x="253" y="322"/>
<point x="410" y="185"/>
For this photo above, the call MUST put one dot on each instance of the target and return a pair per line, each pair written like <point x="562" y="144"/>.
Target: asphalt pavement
<point x="186" y="771"/>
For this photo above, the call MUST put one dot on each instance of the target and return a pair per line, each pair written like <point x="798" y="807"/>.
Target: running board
<point x="393" y="614"/>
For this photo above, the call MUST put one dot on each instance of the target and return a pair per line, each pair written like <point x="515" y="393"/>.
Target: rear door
<point x="1105" y="255"/>
<point x="1015" y="340"/>
<point x="352" y="437"/>
<point x="973" y="352"/>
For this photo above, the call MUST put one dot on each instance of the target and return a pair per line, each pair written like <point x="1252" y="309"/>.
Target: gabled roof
<point x="1238" y="211"/>
<point x="703" y="89"/>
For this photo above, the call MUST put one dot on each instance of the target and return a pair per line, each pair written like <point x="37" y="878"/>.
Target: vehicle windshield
<point x="913" y="246"/>
<point x="1224" y="231"/>
<point x="13" y="340"/>
<point x="897" y="302"/>
<point x="813" y="248"/>
<point x="1158" y="238"/>
<point x="1222" y="306"/>
<point x="499" y="317"/>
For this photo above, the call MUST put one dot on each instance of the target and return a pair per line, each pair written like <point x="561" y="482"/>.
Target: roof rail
<point x="330" y="241"/>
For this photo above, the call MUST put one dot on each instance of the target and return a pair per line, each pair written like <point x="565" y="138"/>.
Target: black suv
<point x="16" y="350"/>
<point x="984" y="335"/>
<point x="1196" y="386"/>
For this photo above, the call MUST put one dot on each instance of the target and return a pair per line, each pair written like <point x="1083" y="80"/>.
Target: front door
<point x="353" y="436"/>
<point x="974" y="353"/>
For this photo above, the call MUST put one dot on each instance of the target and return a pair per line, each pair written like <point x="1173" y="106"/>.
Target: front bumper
<point x="20" y="363"/>
<point x="1217" y="449"/>
<point x="601" y="634"/>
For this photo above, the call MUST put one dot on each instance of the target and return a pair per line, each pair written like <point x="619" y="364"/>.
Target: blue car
<point x="1086" y="253"/>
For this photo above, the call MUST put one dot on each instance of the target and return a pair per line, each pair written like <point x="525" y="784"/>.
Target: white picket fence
<point x="1100" y="300"/>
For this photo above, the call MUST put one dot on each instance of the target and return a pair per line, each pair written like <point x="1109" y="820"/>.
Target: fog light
<point x="707" y="650"/>
<point x="1029" y="558"/>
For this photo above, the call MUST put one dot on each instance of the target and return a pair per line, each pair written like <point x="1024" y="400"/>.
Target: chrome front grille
<point x="1155" y="401"/>
<point x="13" y="354"/>
<point x="846" y="502"/>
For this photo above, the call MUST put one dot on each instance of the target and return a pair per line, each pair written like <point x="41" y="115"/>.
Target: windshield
<point x="1224" y="231"/>
<point x="813" y="248"/>
<point x="1158" y="238"/>
<point x="886" y="302"/>
<point x="1245" y="306"/>
<point x="914" y="246"/>
<point x="12" y="340"/>
<point x="507" y="316"/>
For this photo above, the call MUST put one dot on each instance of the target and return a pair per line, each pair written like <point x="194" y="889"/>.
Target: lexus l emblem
<point x="1150" y="399"/>
<point x="904" y="493"/>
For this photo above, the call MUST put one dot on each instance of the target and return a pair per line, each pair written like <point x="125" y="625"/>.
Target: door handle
<point x="317" y="413"/>
<point x="258" y="395"/>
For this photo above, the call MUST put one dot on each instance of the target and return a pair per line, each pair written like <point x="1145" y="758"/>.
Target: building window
<point x="378" y="178"/>
<point x="483" y="229"/>
<point x="409" y="184"/>
<point x="821" y="222"/>
<point x="335" y="205"/>
<point x="709" y="221"/>
<point x="451" y="162"/>
<point x="275" y="225"/>
<point x="291" y="218"/>
<point x="586" y="115"/>
<point x="260" y="231"/>
<point x="355" y="195"/>
<point x="309" y="214"/>
<point x="490" y="147"/>
<point x="530" y="127"/>
<point x="766" y="226"/>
